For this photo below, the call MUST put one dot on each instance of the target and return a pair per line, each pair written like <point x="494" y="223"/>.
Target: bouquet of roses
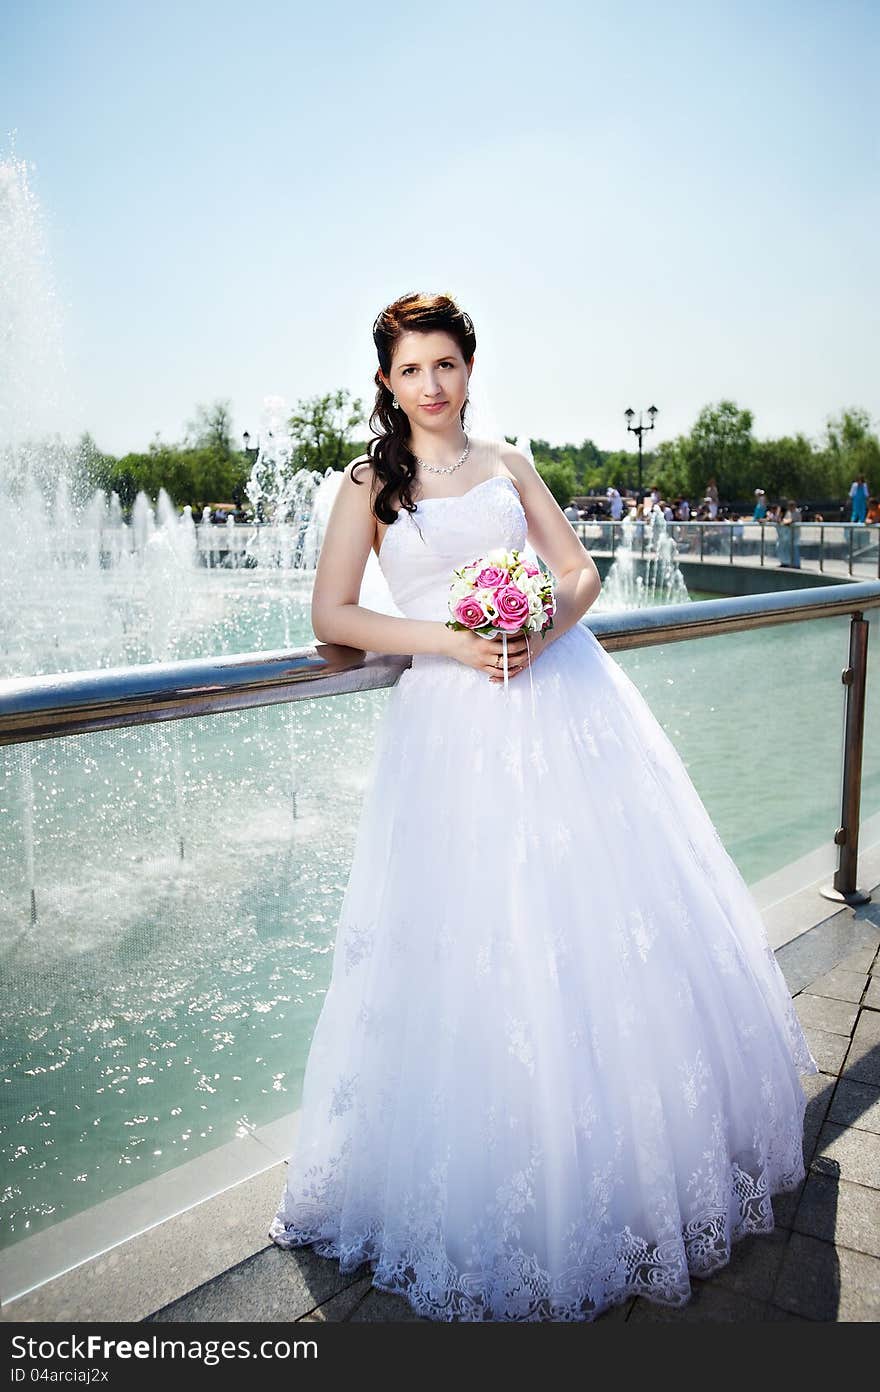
<point x="502" y="593"/>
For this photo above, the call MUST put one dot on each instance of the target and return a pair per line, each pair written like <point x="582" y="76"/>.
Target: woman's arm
<point x="336" y="615"/>
<point x="578" y="583"/>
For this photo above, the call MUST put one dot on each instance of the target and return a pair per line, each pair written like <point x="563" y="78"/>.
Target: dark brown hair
<point x="392" y="460"/>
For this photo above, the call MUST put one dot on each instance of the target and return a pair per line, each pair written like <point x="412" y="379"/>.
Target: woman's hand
<point x="487" y="654"/>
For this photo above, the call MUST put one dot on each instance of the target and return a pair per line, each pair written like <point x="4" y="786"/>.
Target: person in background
<point x="859" y="494"/>
<point x="760" y="505"/>
<point x="616" y="503"/>
<point x="873" y="513"/>
<point x="788" y="535"/>
<point x="712" y="498"/>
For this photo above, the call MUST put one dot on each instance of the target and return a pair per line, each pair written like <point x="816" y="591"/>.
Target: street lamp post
<point x="640" y="430"/>
<point x="250" y="454"/>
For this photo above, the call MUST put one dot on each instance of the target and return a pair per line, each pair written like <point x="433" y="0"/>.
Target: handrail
<point x="865" y="534"/>
<point x="72" y="703"/>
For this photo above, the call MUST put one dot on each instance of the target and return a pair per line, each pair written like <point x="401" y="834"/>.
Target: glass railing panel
<point x="750" y="543"/>
<point x="757" y="717"/>
<point x="162" y="607"/>
<point x="168" y="904"/>
<point x="870" y="792"/>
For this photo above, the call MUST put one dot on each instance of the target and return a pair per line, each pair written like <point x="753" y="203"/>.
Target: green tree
<point x="585" y="460"/>
<point x="850" y="447"/>
<point x="673" y="467"/>
<point x="211" y="429"/>
<point x="620" y="469"/>
<point x="787" y="467"/>
<point x="560" y="479"/>
<point x="321" y="430"/>
<point x="720" y="447"/>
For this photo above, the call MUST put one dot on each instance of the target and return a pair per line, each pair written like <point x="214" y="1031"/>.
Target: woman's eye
<point x="407" y="370"/>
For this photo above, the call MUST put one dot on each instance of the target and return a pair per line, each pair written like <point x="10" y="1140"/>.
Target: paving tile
<point x="785" y="1206"/>
<point x="840" y="984"/>
<point x="340" y="1306"/>
<point x="852" y="1154"/>
<point x="860" y="959"/>
<point x="872" y="997"/>
<point x="841" y="940"/>
<point x="276" y="1284"/>
<point x="828" y="1049"/>
<point x="709" y="1301"/>
<point x="821" y="1012"/>
<point x="379" y="1307"/>
<point x="824" y="1282"/>
<point x="754" y="1264"/>
<point x="856" y="1104"/>
<point x="863" y="1061"/>
<point x="840" y="1212"/>
<point x="818" y="1088"/>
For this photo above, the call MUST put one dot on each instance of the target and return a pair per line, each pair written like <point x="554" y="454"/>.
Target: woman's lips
<point x="436" y="406"/>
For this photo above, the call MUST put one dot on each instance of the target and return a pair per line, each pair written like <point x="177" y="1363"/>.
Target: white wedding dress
<point x="542" y="1080"/>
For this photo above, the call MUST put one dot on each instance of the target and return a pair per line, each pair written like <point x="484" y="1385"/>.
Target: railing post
<point x="843" y="886"/>
<point x="821" y="548"/>
<point x="850" y="531"/>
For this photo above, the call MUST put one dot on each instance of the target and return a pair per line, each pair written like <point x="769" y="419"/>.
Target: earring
<point x="395" y="403"/>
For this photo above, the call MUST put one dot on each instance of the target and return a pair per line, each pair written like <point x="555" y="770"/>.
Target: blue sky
<point x="636" y="203"/>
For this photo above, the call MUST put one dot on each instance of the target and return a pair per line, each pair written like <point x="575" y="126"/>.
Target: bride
<point x="540" y="1083"/>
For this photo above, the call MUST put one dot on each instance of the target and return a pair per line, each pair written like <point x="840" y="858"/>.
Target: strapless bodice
<point x="420" y="550"/>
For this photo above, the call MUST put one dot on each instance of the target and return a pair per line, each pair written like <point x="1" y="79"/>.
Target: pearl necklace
<point x="450" y="468"/>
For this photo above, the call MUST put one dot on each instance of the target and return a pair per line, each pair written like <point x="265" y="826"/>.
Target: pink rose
<point x="491" y="576"/>
<point x="513" y="609"/>
<point x="470" y="612"/>
<point x="529" y="568"/>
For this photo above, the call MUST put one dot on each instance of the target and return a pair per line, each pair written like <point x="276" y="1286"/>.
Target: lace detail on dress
<point x="602" y="1268"/>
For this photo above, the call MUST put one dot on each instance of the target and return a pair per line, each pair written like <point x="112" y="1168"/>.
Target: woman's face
<point x="426" y="369"/>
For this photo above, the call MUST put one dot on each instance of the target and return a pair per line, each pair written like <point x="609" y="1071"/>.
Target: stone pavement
<point x="213" y="1262"/>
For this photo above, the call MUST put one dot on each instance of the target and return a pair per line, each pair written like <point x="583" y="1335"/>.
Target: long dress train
<point x="540" y="1083"/>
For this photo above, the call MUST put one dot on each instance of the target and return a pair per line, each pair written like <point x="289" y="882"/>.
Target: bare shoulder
<point x="518" y="464"/>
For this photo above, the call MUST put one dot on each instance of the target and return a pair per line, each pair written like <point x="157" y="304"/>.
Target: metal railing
<point x="851" y="545"/>
<point x="49" y="707"/>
